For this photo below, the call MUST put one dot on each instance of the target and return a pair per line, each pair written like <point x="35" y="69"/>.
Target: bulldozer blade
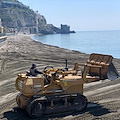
<point x="112" y="72"/>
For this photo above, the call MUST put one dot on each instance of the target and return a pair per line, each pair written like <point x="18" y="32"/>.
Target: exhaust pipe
<point x="66" y="65"/>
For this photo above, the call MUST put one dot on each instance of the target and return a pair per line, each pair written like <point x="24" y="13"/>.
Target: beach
<point x="18" y="53"/>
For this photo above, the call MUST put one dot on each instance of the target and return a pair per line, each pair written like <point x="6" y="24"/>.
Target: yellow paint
<point x="65" y="83"/>
<point x="29" y="82"/>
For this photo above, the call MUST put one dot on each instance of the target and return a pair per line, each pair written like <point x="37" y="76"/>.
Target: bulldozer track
<point x="59" y="109"/>
<point x="89" y="113"/>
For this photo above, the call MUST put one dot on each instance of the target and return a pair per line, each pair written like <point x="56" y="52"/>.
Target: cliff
<point x="15" y="14"/>
<point x="20" y="18"/>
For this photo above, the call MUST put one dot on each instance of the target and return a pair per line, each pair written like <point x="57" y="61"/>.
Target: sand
<point x="17" y="54"/>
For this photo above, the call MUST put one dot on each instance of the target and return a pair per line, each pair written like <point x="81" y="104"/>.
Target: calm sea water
<point x="105" y="42"/>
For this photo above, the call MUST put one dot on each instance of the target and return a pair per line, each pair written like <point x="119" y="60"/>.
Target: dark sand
<point x="17" y="54"/>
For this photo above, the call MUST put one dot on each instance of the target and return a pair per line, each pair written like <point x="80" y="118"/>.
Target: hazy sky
<point x="81" y="15"/>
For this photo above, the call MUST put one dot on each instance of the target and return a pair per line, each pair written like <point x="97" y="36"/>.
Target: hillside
<point x="14" y="14"/>
<point x="17" y="17"/>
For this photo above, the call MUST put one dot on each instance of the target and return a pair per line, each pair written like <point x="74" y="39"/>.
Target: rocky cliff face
<point x="48" y="29"/>
<point x="20" y="18"/>
<point x="16" y="15"/>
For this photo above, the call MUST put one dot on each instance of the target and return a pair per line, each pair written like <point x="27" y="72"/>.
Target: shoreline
<point x="31" y="36"/>
<point x="77" y="46"/>
<point x="27" y="39"/>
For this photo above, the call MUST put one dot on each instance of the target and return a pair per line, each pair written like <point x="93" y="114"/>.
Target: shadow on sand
<point x="19" y="114"/>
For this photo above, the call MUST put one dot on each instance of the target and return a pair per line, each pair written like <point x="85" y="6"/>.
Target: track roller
<point x="80" y="102"/>
<point x="34" y="108"/>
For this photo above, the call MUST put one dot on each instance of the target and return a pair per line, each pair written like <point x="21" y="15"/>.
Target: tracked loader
<point x="63" y="91"/>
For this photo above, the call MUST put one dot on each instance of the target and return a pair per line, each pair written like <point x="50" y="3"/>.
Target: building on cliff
<point x="66" y="29"/>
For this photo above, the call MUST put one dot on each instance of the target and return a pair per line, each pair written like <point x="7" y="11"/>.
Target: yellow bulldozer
<point x="63" y="91"/>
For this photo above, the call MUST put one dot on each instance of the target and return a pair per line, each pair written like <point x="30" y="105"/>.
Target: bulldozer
<point x="63" y="91"/>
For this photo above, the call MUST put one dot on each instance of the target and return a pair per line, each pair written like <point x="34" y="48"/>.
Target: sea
<point x="103" y="42"/>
